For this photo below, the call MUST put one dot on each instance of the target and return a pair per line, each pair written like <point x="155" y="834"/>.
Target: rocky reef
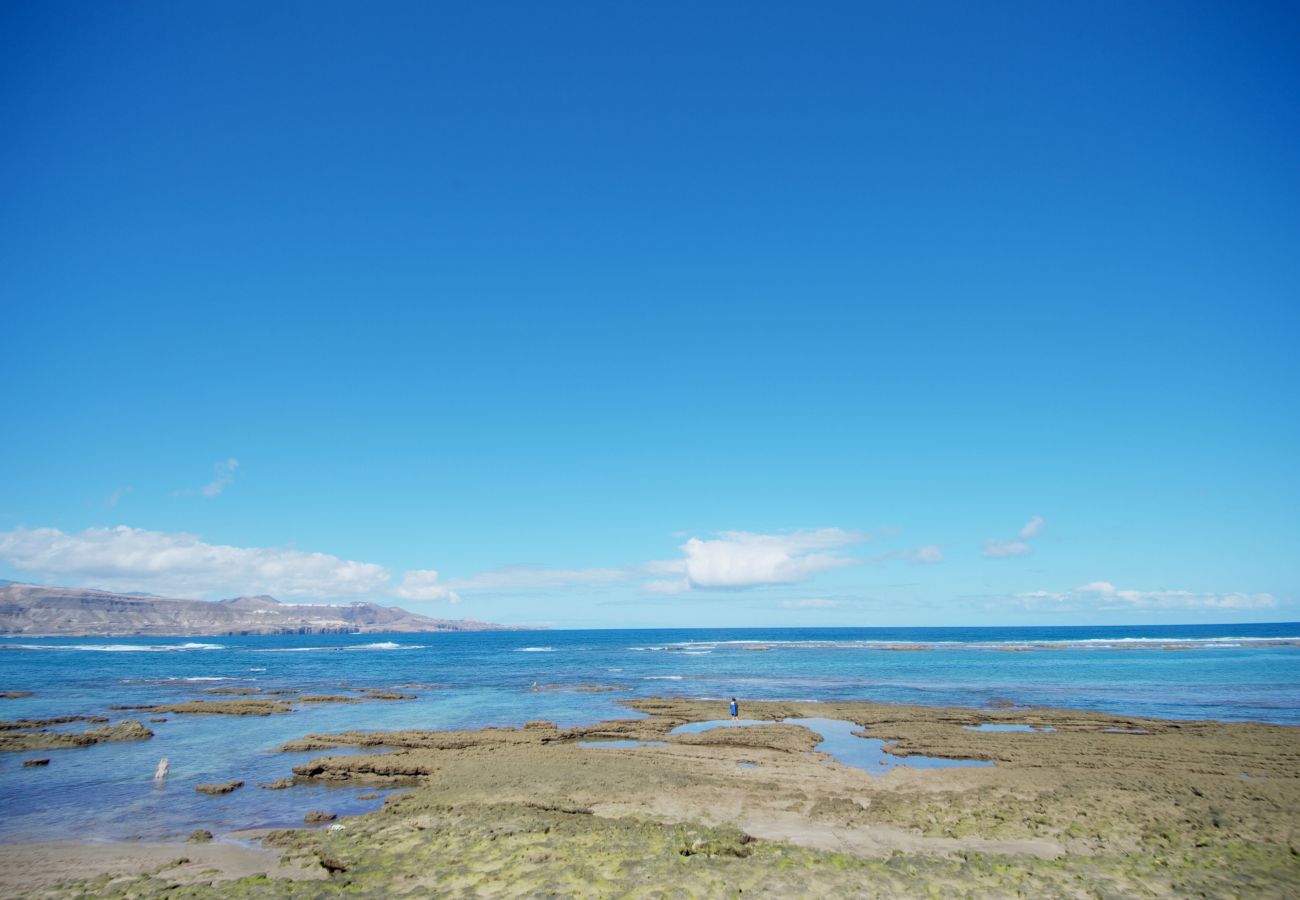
<point x="127" y="730"/>
<point x="1099" y="806"/>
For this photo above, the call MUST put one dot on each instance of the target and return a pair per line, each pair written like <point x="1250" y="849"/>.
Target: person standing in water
<point x="735" y="710"/>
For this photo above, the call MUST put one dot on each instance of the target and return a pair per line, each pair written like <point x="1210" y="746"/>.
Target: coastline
<point x="1099" y="804"/>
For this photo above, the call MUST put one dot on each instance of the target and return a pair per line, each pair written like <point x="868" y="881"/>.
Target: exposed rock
<point x="253" y="706"/>
<point x="14" y="695"/>
<point x="376" y="694"/>
<point x="317" y="817"/>
<point x="223" y="788"/>
<point x="28" y="724"/>
<point x="278" y="785"/>
<point x="327" y="698"/>
<point x="202" y="836"/>
<point x="33" y="763"/>
<point x="128" y="730"/>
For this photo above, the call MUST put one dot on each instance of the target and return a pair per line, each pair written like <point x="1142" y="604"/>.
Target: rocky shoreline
<point x="1087" y="805"/>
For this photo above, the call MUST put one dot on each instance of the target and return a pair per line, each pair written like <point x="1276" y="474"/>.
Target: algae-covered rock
<point x="1078" y="812"/>
<point x="224" y="787"/>
<point x="318" y="817"/>
<point x="128" y="730"/>
<point x="202" y="836"/>
<point x="245" y="706"/>
<point x="31" y="724"/>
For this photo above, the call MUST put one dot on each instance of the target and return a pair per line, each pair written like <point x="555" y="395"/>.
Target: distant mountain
<point x="35" y="609"/>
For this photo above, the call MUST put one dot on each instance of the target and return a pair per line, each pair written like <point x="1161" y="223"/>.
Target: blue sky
<point x="864" y="314"/>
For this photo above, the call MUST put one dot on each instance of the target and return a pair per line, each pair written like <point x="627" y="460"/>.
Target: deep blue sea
<point x="1226" y="672"/>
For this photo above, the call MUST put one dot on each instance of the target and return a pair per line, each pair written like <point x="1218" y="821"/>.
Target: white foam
<point x="1118" y="643"/>
<point x="534" y="649"/>
<point x="121" y="648"/>
<point x="382" y="645"/>
<point x="662" y="678"/>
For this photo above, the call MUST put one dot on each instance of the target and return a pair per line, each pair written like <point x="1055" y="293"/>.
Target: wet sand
<point x="1099" y="806"/>
<point x="45" y="869"/>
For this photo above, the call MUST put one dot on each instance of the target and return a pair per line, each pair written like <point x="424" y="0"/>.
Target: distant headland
<point x="40" y="610"/>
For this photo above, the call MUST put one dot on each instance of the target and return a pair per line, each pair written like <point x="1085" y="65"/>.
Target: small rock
<point x="202" y="836"/>
<point x="278" y="785"/>
<point x="316" y="817"/>
<point x="33" y="763"/>
<point x="223" y="788"/>
<point x="158" y="719"/>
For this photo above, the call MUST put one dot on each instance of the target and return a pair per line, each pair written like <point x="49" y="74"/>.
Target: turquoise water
<point x="1232" y="672"/>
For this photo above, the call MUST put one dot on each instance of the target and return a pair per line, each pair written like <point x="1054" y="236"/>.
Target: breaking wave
<point x="119" y="648"/>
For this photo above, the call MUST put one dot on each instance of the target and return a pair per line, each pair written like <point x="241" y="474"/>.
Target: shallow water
<point x="1234" y="672"/>
<point x="838" y="740"/>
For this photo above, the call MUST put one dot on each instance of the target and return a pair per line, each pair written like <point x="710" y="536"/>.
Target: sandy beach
<point x="1096" y="806"/>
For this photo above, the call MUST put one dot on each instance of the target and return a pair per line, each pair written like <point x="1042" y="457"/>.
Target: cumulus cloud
<point x="741" y="559"/>
<point x="223" y="475"/>
<point x="179" y="564"/>
<point x="1103" y="595"/>
<point x="996" y="549"/>
<point x="422" y="584"/>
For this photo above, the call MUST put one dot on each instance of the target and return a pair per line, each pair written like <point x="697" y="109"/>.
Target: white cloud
<point x="1032" y="527"/>
<point x="926" y="555"/>
<point x="223" y="476"/>
<point x="179" y="564"/>
<point x="995" y="549"/>
<point x="1002" y="549"/>
<point x="1102" y="595"/>
<point x="740" y="559"/>
<point x="422" y="584"/>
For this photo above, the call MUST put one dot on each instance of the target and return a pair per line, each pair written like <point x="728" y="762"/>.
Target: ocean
<point x="107" y="792"/>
